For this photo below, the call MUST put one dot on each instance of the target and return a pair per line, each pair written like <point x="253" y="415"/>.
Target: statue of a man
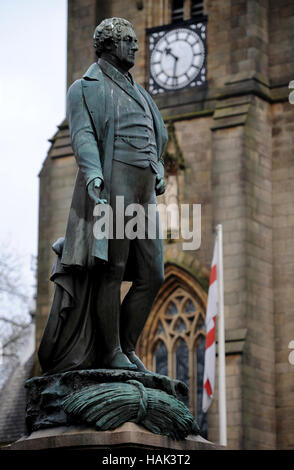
<point x="118" y="138"/>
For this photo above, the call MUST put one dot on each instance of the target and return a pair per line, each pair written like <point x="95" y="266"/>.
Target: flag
<point x="211" y="311"/>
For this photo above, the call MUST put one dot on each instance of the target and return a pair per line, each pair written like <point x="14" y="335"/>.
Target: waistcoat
<point x="134" y="131"/>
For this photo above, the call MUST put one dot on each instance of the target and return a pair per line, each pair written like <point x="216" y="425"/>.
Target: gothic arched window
<point x="173" y="340"/>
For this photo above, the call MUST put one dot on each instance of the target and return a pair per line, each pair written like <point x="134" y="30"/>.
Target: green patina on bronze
<point x="87" y="353"/>
<point x="118" y="138"/>
<point x="108" y="406"/>
<point x="107" y="398"/>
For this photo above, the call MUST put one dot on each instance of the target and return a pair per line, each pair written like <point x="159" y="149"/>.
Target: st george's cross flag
<point x="211" y="312"/>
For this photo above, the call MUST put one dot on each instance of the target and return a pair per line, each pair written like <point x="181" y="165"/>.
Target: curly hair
<point x="109" y="29"/>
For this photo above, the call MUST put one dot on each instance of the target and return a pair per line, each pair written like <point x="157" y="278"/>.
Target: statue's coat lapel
<point x="121" y="81"/>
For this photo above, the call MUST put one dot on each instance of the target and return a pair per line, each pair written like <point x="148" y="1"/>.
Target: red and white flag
<point x="211" y="312"/>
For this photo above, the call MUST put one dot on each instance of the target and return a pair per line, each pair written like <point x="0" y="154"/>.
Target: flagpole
<point x="221" y="343"/>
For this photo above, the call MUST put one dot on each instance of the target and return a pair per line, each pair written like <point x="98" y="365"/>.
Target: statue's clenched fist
<point x="159" y="185"/>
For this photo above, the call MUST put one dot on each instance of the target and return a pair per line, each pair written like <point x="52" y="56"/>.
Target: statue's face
<point x="125" y="49"/>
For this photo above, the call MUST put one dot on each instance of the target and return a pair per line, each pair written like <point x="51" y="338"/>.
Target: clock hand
<point x="175" y="67"/>
<point x="168" y="51"/>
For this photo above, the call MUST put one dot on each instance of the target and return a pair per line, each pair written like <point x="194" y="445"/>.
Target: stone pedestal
<point x="129" y="435"/>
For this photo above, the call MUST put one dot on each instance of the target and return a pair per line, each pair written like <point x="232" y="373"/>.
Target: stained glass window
<point x="182" y="365"/>
<point x="199" y="361"/>
<point x="160" y="355"/>
<point x="171" y="309"/>
<point x="180" y="325"/>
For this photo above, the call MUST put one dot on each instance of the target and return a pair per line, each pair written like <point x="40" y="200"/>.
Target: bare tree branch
<point x="14" y="323"/>
<point x="14" y="355"/>
<point x="14" y="337"/>
<point x="16" y="295"/>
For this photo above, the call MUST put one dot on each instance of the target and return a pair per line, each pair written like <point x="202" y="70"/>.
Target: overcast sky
<point x="32" y="104"/>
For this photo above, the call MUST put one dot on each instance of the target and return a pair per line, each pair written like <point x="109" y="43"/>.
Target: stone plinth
<point x="129" y="435"/>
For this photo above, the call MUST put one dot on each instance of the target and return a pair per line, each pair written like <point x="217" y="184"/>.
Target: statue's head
<point x="116" y="36"/>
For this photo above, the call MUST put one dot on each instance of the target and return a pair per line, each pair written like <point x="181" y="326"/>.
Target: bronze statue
<point x="118" y="138"/>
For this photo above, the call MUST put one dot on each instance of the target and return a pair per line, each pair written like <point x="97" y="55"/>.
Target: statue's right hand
<point x="94" y="189"/>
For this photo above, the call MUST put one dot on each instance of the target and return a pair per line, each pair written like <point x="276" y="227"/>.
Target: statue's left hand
<point x="159" y="185"/>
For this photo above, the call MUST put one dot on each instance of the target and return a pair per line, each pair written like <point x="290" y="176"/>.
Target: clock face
<point x="177" y="58"/>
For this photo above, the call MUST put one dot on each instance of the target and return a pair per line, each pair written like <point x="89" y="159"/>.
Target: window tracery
<point x="173" y="341"/>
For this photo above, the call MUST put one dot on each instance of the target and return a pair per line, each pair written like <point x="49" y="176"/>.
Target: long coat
<point x="72" y="339"/>
<point x="90" y="112"/>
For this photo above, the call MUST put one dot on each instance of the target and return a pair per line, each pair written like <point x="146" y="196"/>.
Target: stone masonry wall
<point x="283" y="253"/>
<point x="259" y="358"/>
<point x="234" y="404"/>
<point x="194" y="138"/>
<point x="80" y="29"/>
<point x="281" y="37"/>
<point x="281" y="71"/>
<point x="237" y="39"/>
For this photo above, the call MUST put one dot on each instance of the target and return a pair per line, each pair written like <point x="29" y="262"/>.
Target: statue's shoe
<point x="135" y="360"/>
<point x="120" y="361"/>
